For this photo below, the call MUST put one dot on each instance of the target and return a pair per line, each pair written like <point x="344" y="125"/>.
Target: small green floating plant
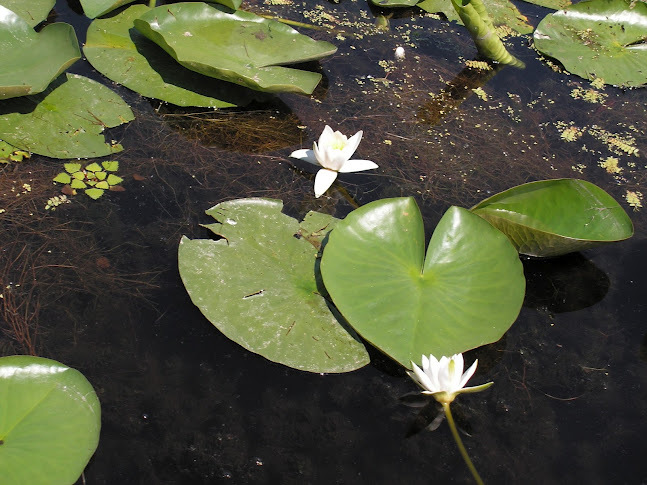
<point x="94" y="179"/>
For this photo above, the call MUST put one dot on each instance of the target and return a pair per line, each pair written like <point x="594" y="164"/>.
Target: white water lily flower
<point x="333" y="154"/>
<point x="444" y="378"/>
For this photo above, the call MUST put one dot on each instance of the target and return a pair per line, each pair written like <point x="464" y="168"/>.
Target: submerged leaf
<point x="258" y="286"/>
<point x="554" y="217"/>
<point x="466" y="292"/>
<point x="598" y="39"/>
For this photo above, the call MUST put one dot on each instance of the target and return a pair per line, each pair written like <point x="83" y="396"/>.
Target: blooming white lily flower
<point x="444" y="378"/>
<point x="333" y="154"/>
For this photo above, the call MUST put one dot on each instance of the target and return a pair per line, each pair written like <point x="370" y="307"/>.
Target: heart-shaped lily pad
<point x="117" y="50"/>
<point x="50" y="420"/>
<point x="30" y="60"/>
<point x="66" y="120"/>
<point x="259" y="287"/>
<point x="33" y="12"/>
<point x="598" y="39"/>
<point x="238" y="47"/>
<point x="465" y="293"/>
<point x="553" y="217"/>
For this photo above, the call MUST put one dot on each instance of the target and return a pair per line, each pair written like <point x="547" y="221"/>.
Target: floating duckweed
<point x="598" y="83"/>
<point x="610" y="164"/>
<point x="571" y="133"/>
<point x="480" y="65"/>
<point x="54" y="202"/>
<point x="588" y="95"/>
<point x="616" y="143"/>
<point x="634" y="199"/>
<point x="480" y="93"/>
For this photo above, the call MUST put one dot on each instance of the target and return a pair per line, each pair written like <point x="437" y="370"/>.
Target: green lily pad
<point x="598" y="39"/>
<point x="49" y="424"/>
<point x="33" y="12"/>
<point x="30" y="60"/>
<point x="502" y="12"/>
<point x="66" y="120"/>
<point x="465" y="293"/>
<point x="97" y="8"/>
<point x="258" y="286"/>
<point x="117" y="50"/>
<point x="238" y="47"/>
<point x="554" y="217"/>
<point x="553" y="4"/>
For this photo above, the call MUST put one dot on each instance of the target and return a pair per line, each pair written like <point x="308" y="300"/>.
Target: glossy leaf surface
<point x="117" y="50"/>
<point x="30" y="60"/>
<point x="33" y="11"/>
<point x="598" y="39"/>
<point x="49" y="424"/>
<point x="96" y="8"/>
<point x="258" y="286"/>
<point x="238" y="47"/>
<point x="466" y="292"/>
<point x="554" y="217"/>
<point x="66" y="120"/>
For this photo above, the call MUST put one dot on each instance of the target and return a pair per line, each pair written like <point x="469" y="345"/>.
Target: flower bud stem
<point x="459" y="443"/>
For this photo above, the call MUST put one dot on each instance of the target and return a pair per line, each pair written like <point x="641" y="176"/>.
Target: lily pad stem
<point x="151" y="3"/>
<point x="459" y="443"/>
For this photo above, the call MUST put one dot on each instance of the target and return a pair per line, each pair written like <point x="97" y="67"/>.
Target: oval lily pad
<point x="465" y="293"/>
<point x="66" y="120"/>
<point x="258" y="286"/>
<point x="49" y="424"/>
<point x="118" y="51"/>
<point x="554" y="217"/>
<point x="32" y="12"/>
<point x="30" y="60"/>
<point x="598" y="39"/>
<point x="96" y="8"/>
<point x="238" y="47"/>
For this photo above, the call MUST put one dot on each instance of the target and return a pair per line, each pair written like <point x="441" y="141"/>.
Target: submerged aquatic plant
<point x="333" y="154"/>
<point x="444" y="380"/>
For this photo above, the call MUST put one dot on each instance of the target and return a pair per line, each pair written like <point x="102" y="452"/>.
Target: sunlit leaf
<point x="63" y="178"/>
<point x="258" y="286"/>
<point x="238" y="47"/>
<point x="598" y="39"/>
<point x="102" y="185"/>
<point x="554" y="217"/>
<point x="78" y="184"/>
<point x="114" y="180"/>
<point x="466" y="292"/>
<point x="72" y="167"/>
<point x="100" y="175"/>
<point x="93" y="167"/>
<point x="30" y="60"/>
<point x="33" y="11"/>
<point x="66" y="120"/>
<point x="97" y="8"/>
<point x="110" y="166"/>
<point x="49" y="424"/>
<point x="94" y="193"/>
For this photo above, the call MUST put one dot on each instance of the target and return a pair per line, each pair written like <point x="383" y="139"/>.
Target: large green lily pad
<point x="117" y="50"/>
<point x="49" y="421"/>
<point x="501" y="12"/>
<point x="598" y="39"/>
<point x="33" y="12"/>
<point x="97" y="8"/>
<point x="259" y="287"/>
<point x="30" y="60"/>
<point x="465" y="293"/>
<point x="65" y="121"/>
<point x="238" y="47"/>
<point x="554" y="217"/>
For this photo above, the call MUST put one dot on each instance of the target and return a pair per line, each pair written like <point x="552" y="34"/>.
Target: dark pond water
<point x="98" y="288"/>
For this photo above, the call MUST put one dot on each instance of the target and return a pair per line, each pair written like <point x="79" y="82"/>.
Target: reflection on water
<point x="95" y="285"/>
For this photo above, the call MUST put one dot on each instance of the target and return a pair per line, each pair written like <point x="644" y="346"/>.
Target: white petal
<point x="433" y="371"/>
<point x="353" y="143"/>
<point x="327" y="136"/>
<point x="455" y="371"/>
<point x="357" y="166"/>
<point x="425" y="363"/>
<point x="423" y="378"/>
<point x="468" y="374"/>
<point x="323" y="181"/>
<point x="331" y="157"/>
<point x="305" y="155"/>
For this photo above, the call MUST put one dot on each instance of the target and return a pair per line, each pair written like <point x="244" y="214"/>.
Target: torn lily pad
<point x="260" y="286"/>
<point x="598" y="39"/>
